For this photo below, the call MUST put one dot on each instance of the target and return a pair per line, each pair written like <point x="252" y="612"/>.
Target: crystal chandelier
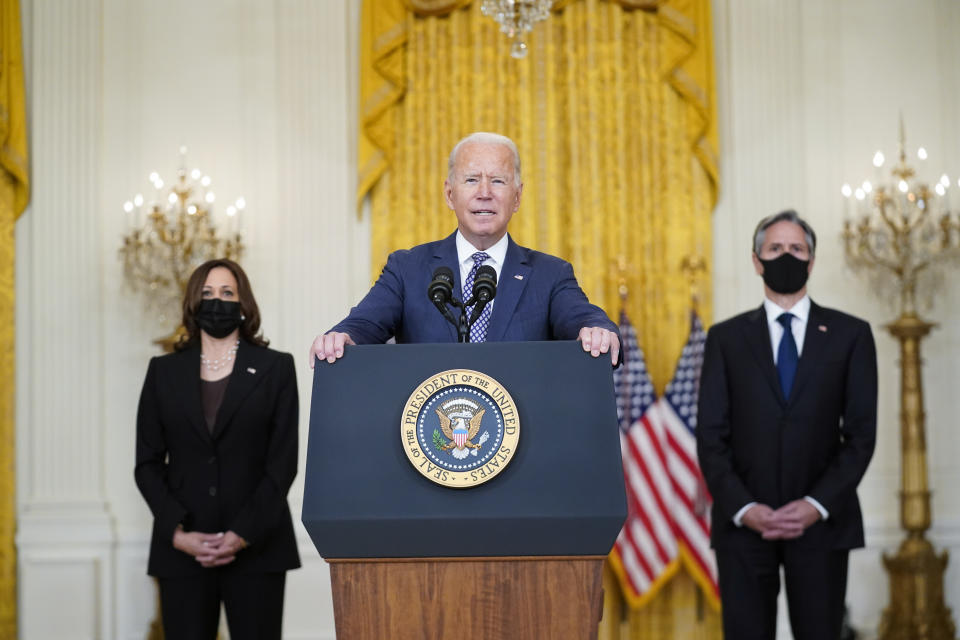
<point x="171" y="236"/>
<point x="516" y="19"/>
<point x="902" y="227"/>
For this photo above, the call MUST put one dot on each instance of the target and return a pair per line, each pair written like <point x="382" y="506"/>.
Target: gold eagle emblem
<point x="459" y="432"/>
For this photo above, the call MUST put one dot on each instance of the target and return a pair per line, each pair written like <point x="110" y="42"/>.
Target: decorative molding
<point x="40" y="528"/>
<point x="64" y="450"/>
<point x="82" y="577"/>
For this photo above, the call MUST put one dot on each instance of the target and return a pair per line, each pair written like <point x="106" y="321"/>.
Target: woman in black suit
<point x="216" y="454"/>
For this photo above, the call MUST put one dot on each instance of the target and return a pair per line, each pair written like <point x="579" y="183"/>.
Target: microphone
<point x="440" y="292"/>
<point x="485" y="284"/>
<point x="484" y="289"/>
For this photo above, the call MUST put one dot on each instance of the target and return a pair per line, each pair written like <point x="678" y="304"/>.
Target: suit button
<point x="211" y="459"/>
<point x="213" y="491"/>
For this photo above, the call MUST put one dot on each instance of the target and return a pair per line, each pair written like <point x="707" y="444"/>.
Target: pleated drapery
<point x="14" y="194"/>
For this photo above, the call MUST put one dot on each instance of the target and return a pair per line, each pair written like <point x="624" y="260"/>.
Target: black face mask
<point x="217" y="317"/>
<point x="785" y="274"/>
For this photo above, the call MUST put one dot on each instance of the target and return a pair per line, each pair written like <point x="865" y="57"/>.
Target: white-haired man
<point x="537" y="298"/>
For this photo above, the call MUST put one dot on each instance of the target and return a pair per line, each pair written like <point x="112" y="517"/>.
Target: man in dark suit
<point x="785" y="430"/>
<point x="537" y="297"/>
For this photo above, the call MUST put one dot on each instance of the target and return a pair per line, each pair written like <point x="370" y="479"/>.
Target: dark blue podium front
<point x="561" y="495"/>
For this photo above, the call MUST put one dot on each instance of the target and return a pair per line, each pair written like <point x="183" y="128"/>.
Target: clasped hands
<point x="209" y="549"/>
<point x="786" y="523"/>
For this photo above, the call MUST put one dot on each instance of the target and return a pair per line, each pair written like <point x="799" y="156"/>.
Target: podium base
<point x="467" y="598"/>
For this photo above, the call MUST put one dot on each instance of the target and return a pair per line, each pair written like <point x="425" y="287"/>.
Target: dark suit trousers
<point x="816" y="582"/>
<point x="190" y="605"/>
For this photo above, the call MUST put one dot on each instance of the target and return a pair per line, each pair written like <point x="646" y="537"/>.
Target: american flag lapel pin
<point x="518" y="276"/>
<point x="822" y="328"/>
<point x="251" y="370"/>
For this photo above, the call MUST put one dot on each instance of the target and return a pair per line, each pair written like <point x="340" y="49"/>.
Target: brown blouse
<point x="211" y="394"/>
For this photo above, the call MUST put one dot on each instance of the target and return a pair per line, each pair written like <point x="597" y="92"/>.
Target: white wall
<point x="808" y="91"/>
<point x="263" y="94"/>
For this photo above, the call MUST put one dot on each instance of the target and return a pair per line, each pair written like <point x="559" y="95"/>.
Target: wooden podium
<point x="467" y="598"/>
<point x="519" y="556"/>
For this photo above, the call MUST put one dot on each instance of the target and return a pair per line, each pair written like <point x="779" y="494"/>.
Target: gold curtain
<point x="613" y="114"/>
<point x="14" y="194"/>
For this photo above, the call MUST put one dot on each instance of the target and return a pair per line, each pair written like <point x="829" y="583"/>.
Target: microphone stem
<point x="463" y="329"/>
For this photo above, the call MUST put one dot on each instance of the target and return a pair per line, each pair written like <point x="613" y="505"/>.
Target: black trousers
<point x="816" y="582"/>
<point x="190" y="606"/>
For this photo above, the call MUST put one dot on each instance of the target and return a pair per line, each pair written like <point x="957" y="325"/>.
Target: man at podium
<point x="536" y="295"/>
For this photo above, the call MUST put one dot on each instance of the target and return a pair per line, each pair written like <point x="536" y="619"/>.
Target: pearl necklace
<point x="222" y="361"/>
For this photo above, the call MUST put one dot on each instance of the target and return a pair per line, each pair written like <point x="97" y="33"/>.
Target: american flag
<point x="667" y="502"/>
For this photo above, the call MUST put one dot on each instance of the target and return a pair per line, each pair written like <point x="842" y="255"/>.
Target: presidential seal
<point x="460" y="428"/>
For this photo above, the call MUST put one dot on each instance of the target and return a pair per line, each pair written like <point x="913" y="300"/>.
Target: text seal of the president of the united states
<point x="460" y="428"/>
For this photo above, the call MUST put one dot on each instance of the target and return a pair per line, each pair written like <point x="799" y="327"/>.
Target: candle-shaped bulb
<point x="922" y="153"/>
<point x="138" y="200"/>
<point x="878" y="159"/>
<point x="205" y="181"/>
<point x="903" y="186"/>
<point x="172" y="198"/>
<point x="241" y="203"/>
<point x="867" y="187"/>
<point x="210" y="197"/>
<point x="860" y="194"/>
<point x="128" y="206"/>
<point x="846" y="190"/>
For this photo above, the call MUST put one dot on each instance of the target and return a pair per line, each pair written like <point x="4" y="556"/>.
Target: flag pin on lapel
<point x="252" y="370"/>
<point x="518" y="276"/>
<point x="822" y="328"/>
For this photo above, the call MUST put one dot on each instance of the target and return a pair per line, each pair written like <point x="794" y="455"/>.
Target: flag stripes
<point x="668" y="521"/>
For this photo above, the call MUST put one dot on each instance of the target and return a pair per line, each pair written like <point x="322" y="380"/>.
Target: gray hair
<point x="789" y="216"/>
<point x="484" y="137"/>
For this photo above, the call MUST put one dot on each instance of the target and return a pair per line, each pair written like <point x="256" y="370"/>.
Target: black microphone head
<point x="487" y="272"/>
<point x="441" y="286"/>
<point x="443" y="273"/>
<point x="485" y="283"/>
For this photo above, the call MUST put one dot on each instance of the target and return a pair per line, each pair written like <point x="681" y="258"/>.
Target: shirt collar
<point x="497" y="253"/>
<point x="801" y="310"/>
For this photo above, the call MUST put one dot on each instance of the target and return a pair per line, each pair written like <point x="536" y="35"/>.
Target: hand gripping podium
<point x="518" y="556"/>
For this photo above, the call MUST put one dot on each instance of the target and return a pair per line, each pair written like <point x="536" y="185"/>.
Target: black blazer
<point x="755" y="445"/>
<point x="236" y="478"/>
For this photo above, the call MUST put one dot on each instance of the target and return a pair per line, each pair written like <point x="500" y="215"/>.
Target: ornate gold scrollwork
<point x="646" y="5"/>
<point x="434" y="7"/>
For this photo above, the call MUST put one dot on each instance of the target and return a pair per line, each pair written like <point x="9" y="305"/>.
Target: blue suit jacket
<point x="538" y="298"/>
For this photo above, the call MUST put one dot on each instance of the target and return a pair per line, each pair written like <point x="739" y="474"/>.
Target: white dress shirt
<point x="798" y="326"/>
<point x="465" y="251"/>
